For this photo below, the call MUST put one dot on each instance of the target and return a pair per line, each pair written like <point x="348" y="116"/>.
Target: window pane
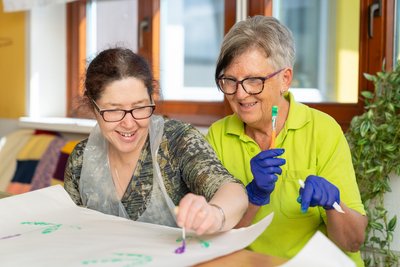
<point x="396" y="34"/>
<point x="111" y="23"/>
<point x="191" y="35"/>
<point x="327" y="46"/>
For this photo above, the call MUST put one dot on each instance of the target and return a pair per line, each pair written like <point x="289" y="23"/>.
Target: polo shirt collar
<point x="297" y="118"/>
<point x="236" y="127"/>
<point x="298" y="114"/>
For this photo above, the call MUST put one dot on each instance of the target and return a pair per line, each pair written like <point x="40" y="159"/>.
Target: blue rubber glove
<point x="265" y="166"/>
<point x="318" y="192"/>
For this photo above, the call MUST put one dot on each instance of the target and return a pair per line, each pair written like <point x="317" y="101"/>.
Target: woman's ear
<point x="287" y="78"/>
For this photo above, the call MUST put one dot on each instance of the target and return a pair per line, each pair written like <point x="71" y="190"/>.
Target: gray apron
<point x="97" y="188"/>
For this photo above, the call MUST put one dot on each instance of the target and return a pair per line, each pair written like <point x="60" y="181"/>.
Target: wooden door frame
<point x="76" y="55"/>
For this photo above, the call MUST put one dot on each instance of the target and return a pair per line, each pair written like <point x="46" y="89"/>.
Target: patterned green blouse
<point x="187" y="163"/>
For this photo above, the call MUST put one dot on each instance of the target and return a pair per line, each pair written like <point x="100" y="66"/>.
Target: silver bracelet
<point x="222" y="214"/>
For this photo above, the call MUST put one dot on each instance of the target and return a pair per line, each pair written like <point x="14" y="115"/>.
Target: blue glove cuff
<point x="256" y="196"/>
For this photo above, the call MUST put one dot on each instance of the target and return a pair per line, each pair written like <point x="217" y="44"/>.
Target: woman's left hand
<point x="318" y="192"/>
<point x="196" y="214"/>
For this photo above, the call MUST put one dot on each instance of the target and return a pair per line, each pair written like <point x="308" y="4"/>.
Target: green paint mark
<point x="50" y="227"/>
<point x="38" y="223"/>
<point x="203" y="243"/>
<point x="129" y="259"/>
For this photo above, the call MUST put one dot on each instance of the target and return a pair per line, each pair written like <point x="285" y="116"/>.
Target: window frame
<point x="197" y="113"/>
<point x="373" y="51"/>
<point x="76" y="55"/>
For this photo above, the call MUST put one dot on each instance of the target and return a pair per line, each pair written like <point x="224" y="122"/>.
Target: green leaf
<point x="367" y="94"/>
<point x="387" y="186"/>
<point x="392" y="224"/>
<point x="389" y="237"/>
<point x="390" y="147"/>
<point x="390" y="106"/>
<point x="374" y="169"/>
<point x="372" y="137"/>
<point x="388" y="116"/>
<point x="383" y="244"/>
<point x="362" y="141"/>
<point x="364" y="128"/>
<point x="370" y="77"/>
<point x="376" y="226"/>
<point x="382" y="75"/>
<point x="375" y="239"/>
<point x="370" y="114"/>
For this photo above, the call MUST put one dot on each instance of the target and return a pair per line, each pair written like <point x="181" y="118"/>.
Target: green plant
<point x="374" y="139"/>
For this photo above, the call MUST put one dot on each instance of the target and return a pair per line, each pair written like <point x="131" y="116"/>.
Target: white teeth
<point x="248" y="104"/>
<point x="126" y="134"/>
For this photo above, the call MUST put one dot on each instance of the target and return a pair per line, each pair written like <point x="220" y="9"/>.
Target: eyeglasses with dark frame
<point x="251" y="85"/>
<point x="115" y="115"/>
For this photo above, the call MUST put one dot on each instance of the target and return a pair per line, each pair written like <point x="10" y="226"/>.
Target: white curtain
<point x="22" y="5"/>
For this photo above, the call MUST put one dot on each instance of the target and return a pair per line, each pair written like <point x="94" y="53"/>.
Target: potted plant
<point x="374" y="139"/>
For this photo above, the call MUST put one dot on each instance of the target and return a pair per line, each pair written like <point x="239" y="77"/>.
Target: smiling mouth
<point x="248" y="104"/>
<point x="126" y="134"/>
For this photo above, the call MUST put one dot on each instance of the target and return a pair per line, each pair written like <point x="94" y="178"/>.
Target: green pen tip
<point x="275" y="111"/>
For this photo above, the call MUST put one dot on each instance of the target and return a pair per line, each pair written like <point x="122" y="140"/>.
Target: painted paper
<point x="46" y="228"/>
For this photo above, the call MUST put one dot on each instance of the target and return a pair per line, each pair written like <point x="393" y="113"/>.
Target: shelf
<point x="69" y="125"/>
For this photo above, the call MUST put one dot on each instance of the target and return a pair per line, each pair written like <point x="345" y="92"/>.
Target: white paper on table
<point x="45" y="228"/>
<point x="320" y="251"/>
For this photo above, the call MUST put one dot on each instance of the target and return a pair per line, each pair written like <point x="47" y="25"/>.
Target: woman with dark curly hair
<point x="140" y="166"/>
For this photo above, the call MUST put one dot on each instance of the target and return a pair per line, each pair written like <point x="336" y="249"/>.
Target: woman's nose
<point x="128" y="119"/>
<point x="241" y="92"/>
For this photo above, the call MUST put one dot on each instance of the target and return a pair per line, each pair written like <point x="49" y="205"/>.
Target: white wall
<point x="392" y="205"/>
<point x="46" y="96"/>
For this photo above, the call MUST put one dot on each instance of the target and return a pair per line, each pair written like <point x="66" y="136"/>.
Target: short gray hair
<point x="265" y="33"/>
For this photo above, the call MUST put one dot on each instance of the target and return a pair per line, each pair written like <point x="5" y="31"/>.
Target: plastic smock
<point x="97" y="188"/>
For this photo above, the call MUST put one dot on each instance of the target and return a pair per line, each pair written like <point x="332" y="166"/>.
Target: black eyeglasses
<point x="251" y="85"/>
<point x="114" y="115"/>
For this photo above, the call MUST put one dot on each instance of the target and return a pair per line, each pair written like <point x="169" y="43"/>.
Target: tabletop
<point x="4" y="194"/>
<point x="244" y="258"/>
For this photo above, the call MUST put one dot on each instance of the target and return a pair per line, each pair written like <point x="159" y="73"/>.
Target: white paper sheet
<point x="320" y="251"/>
<point x="45" y="228"/>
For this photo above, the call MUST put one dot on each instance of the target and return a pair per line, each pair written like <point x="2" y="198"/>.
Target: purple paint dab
<point x="182" y="248"/>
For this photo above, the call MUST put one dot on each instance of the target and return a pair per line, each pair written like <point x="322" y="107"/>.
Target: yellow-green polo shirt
<point x="314" y="144"/>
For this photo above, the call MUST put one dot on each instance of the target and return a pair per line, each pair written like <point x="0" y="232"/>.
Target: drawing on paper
<point x="203" y="243"/>
<point x="131" y="259"/>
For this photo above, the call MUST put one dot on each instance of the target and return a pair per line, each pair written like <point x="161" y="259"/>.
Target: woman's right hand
<point x="194" y="213"/>
<point x="265" y="166"/>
